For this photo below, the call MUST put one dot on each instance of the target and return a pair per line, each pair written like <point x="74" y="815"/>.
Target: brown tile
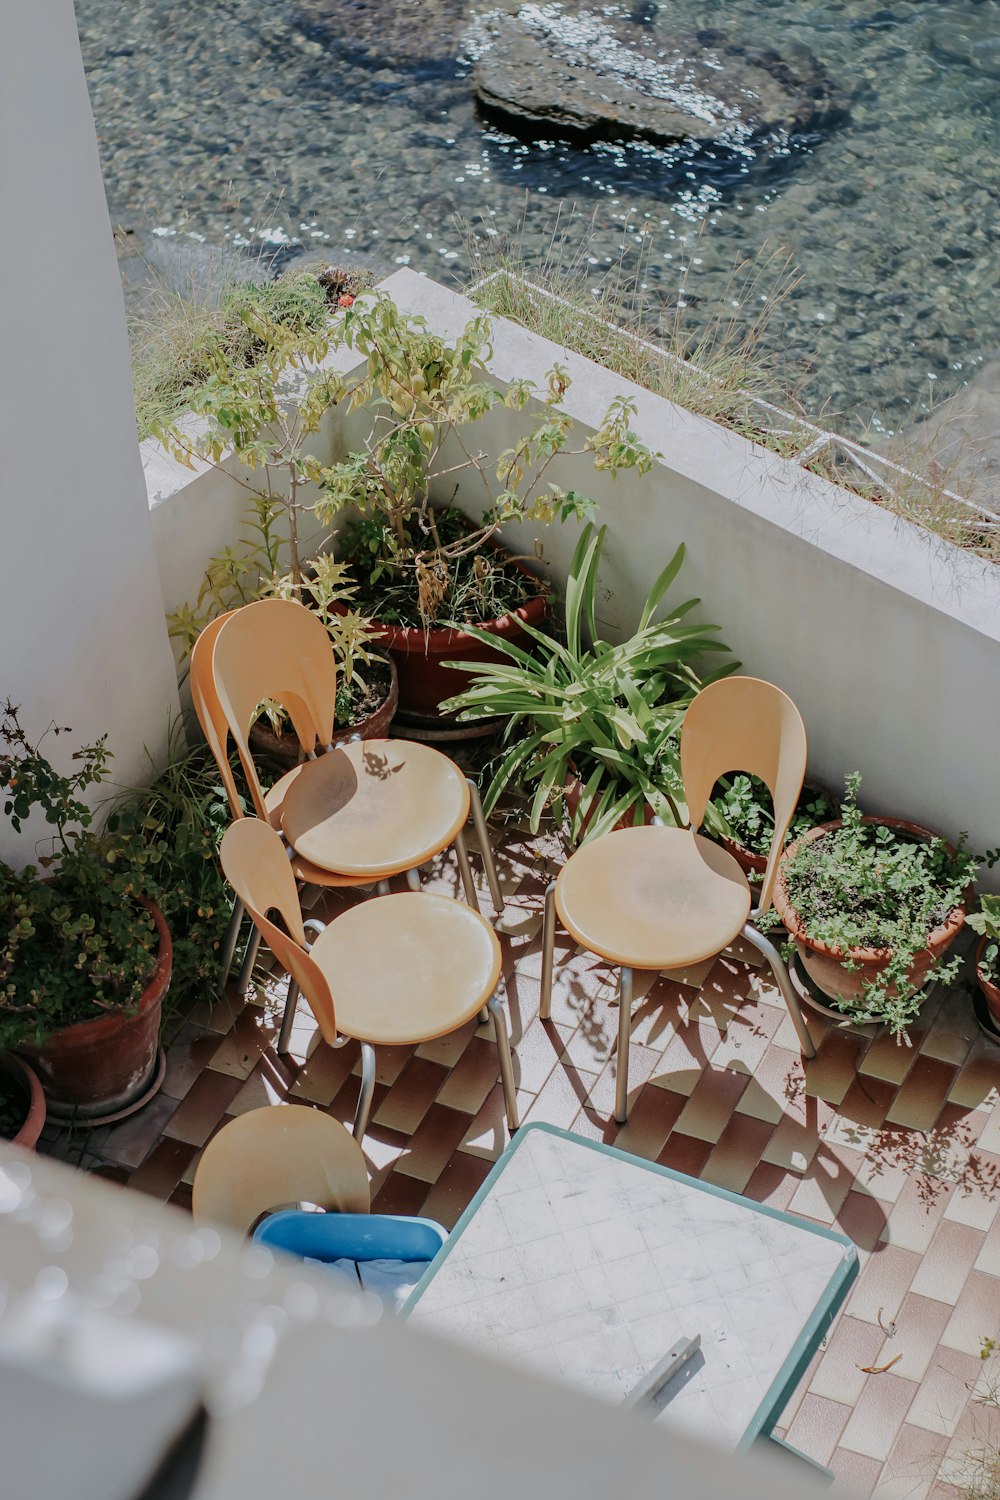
<point x="651" y="1118"/>
<point x="914" y="1218"/>
<point x="322" y="1075"/>
<point x="944" y="1391"/>
<point x="163" y="1169"/>
<point x="876" y="1420"/>
<point x="685" y="1153"/>
<point x="130" y="1142"/>
<point x="536" y="1053"/>
<point x="400" y="1194"/>
<point x="988" y="1258"/>
<point x="787" y="1416"/>
<point x="486" y="1137"/>
<point x="832" y="1071"/>
<point x="977" y="1085"/>
<point x="708" y="1111"/>
<point x="989" y="1138"/>
<point x="202" y="1107"/>
<point x="826" y="1184"/>
<point x="949" y="1260"/>
<point x="684" y="1060"/>
<point x="601" y="1094"/>
<point x="187" y="1057"/>
<point x="737" y="1154"/>
<point x="862" y="1219"/>
<point x="855" y="1475"/>
<point x="887" y="1059"/>
<point x="448" y="1049"/>
<point x="817" y="1427"/>
<point x="389" y="1063"/>
<point x="923" y="1094"/>
<point x="883" y="1284"/>
<point x="181" y="1197"/>
<point x="953" y="1030"/>
<point x="244" y="1045"/>
<point x="778" y="1080"/>
<point x="411" y="1096"/>
<point x="851" y="1345"/>
<point x="771" y="1185"/>
<point x="796" y="1139"/>
<point x="268" y="1084"/>
<point x="473" y="1075"/>
<point x="919" y="1325"/>
<point x="976" y="1315"/>
<point x="455" y="1188"/>
<point x="559" y="1101"/>
<point x="434" y="1142"/>
<point x="976" y="1197"/>
<point x="867" y="1102"/>
<point x="912" y="1466"/>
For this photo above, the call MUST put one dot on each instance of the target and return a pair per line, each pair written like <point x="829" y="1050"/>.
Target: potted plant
<point x="986" y="922"/>
<point x="434" y="575"/>
<point x="22" y="1102"/>
<point x="85" y="956"/>
<point x="255" y="568"/>
<point x="872" y="905"/>
<point x="593" y="726"/>
<point x="744" y="806"/>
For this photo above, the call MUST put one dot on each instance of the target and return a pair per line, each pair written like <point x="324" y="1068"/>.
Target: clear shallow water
<point x="351" y="126"/>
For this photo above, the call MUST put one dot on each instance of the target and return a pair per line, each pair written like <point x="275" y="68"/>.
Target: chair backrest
<point x="255" y="863"/>
<point x="214" y="725"/>
<point x="284" y="1153"/>
<point x="744" y="724"/>
<point x="275" y="649"/>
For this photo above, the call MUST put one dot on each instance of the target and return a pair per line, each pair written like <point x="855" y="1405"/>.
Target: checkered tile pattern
<point x="899" y="1148"/>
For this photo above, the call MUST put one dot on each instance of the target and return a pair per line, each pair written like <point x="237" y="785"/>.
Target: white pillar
<point x="82" y="634"/>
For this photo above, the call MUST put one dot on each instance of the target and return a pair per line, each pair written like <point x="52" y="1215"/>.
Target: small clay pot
<point x="27" y="1079"/>
<point x="573" y="791"/>
<point x="825" y="965"/>
<point x="754" y="865"/>
<point x="284" y="748"/>
<point x="98" y="1067"/>
<point x="989" y="987"/>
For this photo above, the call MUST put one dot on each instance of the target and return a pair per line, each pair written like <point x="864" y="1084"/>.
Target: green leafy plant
<point x="747" y="813"/>
<point x="423" y="397"/>
<point x="608" y="715"/>
<point x="75" y="940"/>
<point x="868" y="885"/>
<point x="986" y="922"/>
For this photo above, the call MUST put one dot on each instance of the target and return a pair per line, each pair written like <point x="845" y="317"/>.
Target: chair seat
<point x="407" y="968"/>
<point x="303" y="869"/>
<point x="374" y="808"/>
<point x="653" y="898"/>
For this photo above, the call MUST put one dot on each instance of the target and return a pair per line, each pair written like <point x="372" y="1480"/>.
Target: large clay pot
<point x="34" y="1099"/>
<point x="754" y="865"/>
<point x="990" y="989"/>
<point x="284" y="748"/>
<point x="98" y="1067"/>
<point x="824" y="964"/>
<point x="424" y="681"/>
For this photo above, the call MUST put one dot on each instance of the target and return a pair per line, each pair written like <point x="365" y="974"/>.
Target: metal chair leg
<point x="548" y="951"/>
<point x="486" y="848"/>
<point x="288" y="1016"/>
<point x="506" y="1063"/>
<point x="367" y="1090"/>
<point x="413" y="879"/>
<point x="465" y="870"/>
<point x="777" y="966"/>
<point x="229" y="945"/>
<point x="249" y="959"/>
<point x="382" y="888"/>
<point x="624" y="1038"/>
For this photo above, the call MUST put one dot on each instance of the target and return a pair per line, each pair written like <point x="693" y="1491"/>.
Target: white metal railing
<point x="774" y="419"/>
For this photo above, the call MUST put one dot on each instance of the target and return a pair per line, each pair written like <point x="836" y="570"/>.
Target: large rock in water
<point x="402" y="34"/>
<point x="560" y="70"/>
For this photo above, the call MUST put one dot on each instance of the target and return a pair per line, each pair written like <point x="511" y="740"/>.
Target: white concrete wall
<point x="888" y="640"/>
<point x="81" y="617"/>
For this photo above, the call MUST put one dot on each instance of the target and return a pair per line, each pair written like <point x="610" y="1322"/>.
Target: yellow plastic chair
<point x="403" y="968"/>
<point x="215" y="727"/>
<point x="270" y="1158"/>
<point x="656" y="898"/>
<point x="365" y="809"/>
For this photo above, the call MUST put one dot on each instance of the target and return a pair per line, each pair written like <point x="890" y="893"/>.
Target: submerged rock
<point x="410" y="34"/>
<point x="553" y="69"/>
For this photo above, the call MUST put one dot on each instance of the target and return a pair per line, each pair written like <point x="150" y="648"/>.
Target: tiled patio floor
<point x="898" y="1148"/>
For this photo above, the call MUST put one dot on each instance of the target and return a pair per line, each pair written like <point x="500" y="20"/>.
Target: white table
<point x="587" y="1265"/>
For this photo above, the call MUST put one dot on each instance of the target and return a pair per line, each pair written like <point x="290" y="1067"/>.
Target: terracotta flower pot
<point x="34" y="1099"/>
<point x="753" y="865"/>
<point x="989" y="987"/>
<point x="573" y="791"/>
<point x="100" y="1066"/>
<point x="284" y="748"/>
<point x="424" y="681"/>
<point x="824" y="964"/>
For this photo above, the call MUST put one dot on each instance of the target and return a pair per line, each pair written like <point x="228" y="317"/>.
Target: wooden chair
<point x="272" y="1157"/>
<point x="404" y="968"/>
<point x="661" y="898"/>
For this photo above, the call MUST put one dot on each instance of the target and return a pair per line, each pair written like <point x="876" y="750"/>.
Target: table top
<point x="587" y="1265"/>
<point x="375" y="807"/>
